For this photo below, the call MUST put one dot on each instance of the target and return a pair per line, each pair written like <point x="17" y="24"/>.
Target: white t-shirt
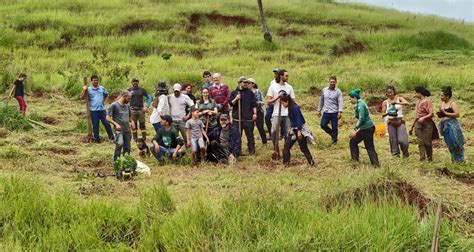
<point x="178" y="106"/>
<point x="163" y="107"/>
<point x="274" y="90"/>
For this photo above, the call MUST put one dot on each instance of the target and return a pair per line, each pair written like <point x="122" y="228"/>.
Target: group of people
<point x="213" y="125"/>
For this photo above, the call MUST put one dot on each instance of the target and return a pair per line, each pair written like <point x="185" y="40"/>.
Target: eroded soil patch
<point x="216" y="18"/>
<point x="376" y="192"/>
<point x="347" y="47"/>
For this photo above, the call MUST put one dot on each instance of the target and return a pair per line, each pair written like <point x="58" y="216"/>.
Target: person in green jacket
<point x="363" y="131"/>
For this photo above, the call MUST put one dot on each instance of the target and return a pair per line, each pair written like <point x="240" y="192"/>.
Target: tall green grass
<point x="31" y="219"/>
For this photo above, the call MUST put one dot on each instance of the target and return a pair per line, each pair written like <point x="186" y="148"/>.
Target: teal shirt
<point x="362" y="115"/>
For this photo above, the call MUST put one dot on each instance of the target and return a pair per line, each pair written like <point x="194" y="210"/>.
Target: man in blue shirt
<point x="97" y="95"/>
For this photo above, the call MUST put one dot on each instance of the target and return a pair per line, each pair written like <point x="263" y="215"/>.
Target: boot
<point x="194" y="157"/>
<point x="144" y="135"/>
<point x="203" y="155"/>
<point x="134" y="135"/>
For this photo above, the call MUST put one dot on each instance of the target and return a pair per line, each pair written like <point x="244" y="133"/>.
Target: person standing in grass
<point x="397" y="131"/>
<point x="178" y="103"/>
<point x="363" y="130"/>
<point x="167" y="141"/>
<point x="449" y="127"/>
<point x="207" y="110"/>
<point x="244" y="99"/>
<point x="260" y="111"/>
<point x="139" y="104"/>
<point x="19" y="91"/>
<point x="97" y="95"/>
<point x="275" y="92"/>
<point x="225" y="142"/>
<point x="298" y="133"/>
<point x="220" y="93"/>
<point x="120" y="116"/>
<point x="207" y="78"/>
<point x="195" y="134"/>
<point x="269" y="111"/>
<point x="160" y="99"/>
<point x="425" y="128"/>
<point x="331" y="102"/>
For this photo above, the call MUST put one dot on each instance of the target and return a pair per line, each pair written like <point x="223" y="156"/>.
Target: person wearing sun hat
<point x="363" y="130"/>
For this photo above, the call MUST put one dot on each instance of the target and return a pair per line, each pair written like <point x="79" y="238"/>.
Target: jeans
<point x="366" y="135"/>
<point x="268" y="118"/>
<point x="284" y="124"/>
<point x="165" y="151"/>
<point x="122" y="143"/>
<point x="259" y="123"/>
<point x="330" y="118"/>
<point x="303" y="143"/>
<point x="197" y="144"/>
<point x="247" y="127"/>
<point x="398" y="138"/>
<point x="100" y="115"/>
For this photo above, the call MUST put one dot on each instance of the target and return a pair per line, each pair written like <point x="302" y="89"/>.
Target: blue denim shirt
<point x="96" y="98"/>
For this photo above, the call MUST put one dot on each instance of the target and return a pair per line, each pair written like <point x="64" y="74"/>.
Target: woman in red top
<point x="425" y="129"/>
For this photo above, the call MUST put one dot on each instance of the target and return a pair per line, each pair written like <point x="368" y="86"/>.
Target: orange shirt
<point x="423" y="108"/>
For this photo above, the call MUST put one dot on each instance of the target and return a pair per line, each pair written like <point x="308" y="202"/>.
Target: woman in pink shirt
<point x="425" y="128"/>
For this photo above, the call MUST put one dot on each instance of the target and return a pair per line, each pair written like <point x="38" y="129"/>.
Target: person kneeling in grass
<point x="363" y="131"/>
<point x="167" y="141"/>
<point x="195" y="134"/>
<point x="299" y="132"/>
<point x="225" y="142"/>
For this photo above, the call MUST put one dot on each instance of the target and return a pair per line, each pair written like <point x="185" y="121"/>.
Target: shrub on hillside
<point x="433" y="40"/>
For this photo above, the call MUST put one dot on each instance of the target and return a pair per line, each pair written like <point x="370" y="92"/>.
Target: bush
<point x="433" y="40"/>
<point x="11" y="119"/>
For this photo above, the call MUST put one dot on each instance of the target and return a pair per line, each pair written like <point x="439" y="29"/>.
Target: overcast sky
<point x="458" y="9"/>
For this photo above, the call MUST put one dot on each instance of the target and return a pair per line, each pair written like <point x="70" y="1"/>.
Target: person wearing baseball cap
<point x="138" y="106"/>
<point x="259" y="122"/>
<point x="244" y="99"/>
<point x="167" y="141"/>
<point x="178" y="104"/>
<point x="225" y="142"/>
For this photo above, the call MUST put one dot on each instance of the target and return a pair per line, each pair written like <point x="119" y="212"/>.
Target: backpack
<point x="392" y="110"/>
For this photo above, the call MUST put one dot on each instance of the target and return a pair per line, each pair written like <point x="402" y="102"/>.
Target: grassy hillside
<point x="51" y="198"/>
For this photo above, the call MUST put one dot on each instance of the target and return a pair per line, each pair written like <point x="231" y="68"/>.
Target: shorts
<point x="197" y="144"/>
<point x="138" y="115"/>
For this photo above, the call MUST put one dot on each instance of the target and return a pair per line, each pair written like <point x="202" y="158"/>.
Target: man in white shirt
<point x="275" y="92"/>
<point x="178" y="103"/>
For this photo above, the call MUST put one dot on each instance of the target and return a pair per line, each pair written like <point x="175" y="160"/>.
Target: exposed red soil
<point x="62" y="151"/>
<point x="3" y="132"/>
<point x="466" y="178"/>
<point x="405" y="192"/>
<point x="314" y="91"/>
<point x="50" y="120"/>
<point x="290" y="33"/>
<point x="216" y="18"/>
<point x="347" y="47"/>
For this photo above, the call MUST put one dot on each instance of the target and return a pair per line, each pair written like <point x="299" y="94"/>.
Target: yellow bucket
<point x="380" y="130"/>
